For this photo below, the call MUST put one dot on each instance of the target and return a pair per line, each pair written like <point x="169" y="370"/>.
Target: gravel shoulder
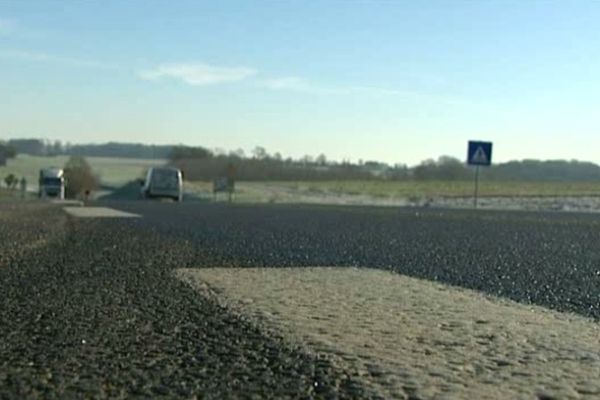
<point x="95" y="312"/>
<point x="409" y="338"/>
<point x="27" y="226"/>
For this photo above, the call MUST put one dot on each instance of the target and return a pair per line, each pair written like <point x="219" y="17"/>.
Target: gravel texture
<point x="25" y="227"/>
<point x="96" y="313"/>
<point x="89" y="308"/>
<point x="550" y="259"/>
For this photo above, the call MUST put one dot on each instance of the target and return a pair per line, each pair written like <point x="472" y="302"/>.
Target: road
<point x="89" y="307"/>
<point x="549" y="259"/>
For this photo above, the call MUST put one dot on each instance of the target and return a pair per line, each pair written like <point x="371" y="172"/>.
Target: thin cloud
<point x="40" y="57"/>
<point x="297" y="84"/>
<point x="382" y="91"/>
<point x="198" y="74"/>
<point x="412" y="95"/>
<point x="302" y="85"/>
<point x="287" y="83"/>
<point x="7" y="26"/>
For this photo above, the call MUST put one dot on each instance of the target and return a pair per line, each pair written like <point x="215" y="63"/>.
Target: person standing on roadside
<point x="23" y="187"/>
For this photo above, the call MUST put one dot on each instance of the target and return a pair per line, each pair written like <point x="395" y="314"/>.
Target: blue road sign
<point x="480" y="153"/>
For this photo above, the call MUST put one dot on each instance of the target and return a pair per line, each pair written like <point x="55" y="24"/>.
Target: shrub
<point x="79" y="177"/>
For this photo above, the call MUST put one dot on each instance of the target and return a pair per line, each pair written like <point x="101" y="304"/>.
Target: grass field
<point x="386" y="190"/>
<point x="5" y="193"/>
<point x="116" y="172"/>
<point x="446" y="189"/>
<point x="112" y="172"/>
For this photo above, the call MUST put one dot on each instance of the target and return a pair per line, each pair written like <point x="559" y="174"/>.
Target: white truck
<point x="52" y="183"/>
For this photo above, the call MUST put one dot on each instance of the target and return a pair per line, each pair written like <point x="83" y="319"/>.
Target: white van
<point x="163" y="182"/>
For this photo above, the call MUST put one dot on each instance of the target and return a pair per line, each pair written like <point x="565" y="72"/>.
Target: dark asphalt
<point x="88" y="308"/>
<point x="549" y="259"/>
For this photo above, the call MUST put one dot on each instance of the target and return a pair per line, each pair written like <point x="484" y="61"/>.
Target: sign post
<point x="476" y="194"/>
<point x="479" y="154"/>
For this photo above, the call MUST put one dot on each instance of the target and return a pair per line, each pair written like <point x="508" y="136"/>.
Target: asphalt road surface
<point x="89" y="307"/>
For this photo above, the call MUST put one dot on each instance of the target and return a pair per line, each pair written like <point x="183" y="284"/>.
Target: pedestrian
<point x="23" y="187"/>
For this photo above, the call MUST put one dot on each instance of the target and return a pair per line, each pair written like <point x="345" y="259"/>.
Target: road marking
<point x="68" y="202"/>
<point x="98" y="212"/>
<point x="408" y="337"/>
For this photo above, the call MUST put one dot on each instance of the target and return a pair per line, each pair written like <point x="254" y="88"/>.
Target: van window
<point x="165" y="179"/>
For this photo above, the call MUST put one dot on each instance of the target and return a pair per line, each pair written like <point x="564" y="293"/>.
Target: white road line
<point x="98" y="212"/>
<point x="409" y="337"/>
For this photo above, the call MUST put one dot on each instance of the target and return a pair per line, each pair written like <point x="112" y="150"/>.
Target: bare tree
<point x="260" y="153"/>
<point x="321" y="159"/>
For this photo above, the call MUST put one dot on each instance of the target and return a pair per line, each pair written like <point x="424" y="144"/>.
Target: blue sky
<point x="396" y="81"/>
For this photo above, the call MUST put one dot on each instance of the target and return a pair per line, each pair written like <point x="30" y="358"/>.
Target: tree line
<point x="39" y="147"/>
<point x="6" y="152"/>
<point x="200" y="163"/>
<point x="203" y="164"/>
<point x="448" y="168"/>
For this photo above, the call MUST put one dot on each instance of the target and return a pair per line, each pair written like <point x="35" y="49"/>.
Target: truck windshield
<point x="52" y="182"/>
<point x="165" y="179"/>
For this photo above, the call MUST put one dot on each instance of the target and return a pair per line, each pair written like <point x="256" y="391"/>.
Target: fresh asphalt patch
<point x="98" y="212"/>
<point x="408" y="337"/>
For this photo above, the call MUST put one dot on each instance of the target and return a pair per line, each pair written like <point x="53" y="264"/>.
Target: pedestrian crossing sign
<point x="480" y="153"/>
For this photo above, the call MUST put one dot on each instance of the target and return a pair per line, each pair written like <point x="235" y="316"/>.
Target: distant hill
<point x="448" y="168"/>
<point x="125" y="150"/>
<point x="38" y="147"/>
<point x="549" y="171"/>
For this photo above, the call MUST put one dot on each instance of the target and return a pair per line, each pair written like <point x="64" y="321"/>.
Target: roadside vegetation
<point x="437" y="188"/>
<point x="79" y="177"/>
<point x="270" y="177"/>
<point x="199" y="163"/>
<point x="112" y="172"/>
<point x="411" y="191"/>
<point x="7" y="152"/>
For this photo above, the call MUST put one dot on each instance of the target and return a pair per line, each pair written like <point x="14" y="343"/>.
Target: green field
<point x="425" y="189"/>
<point x="112" y="172"/>
<point x="384" y="191"/>
<point x="116" y="172"/>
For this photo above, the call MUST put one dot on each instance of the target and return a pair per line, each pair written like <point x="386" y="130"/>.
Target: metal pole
<point x="476" y="186"/>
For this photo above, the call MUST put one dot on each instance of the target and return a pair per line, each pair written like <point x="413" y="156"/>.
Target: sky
<point x="394" y="81"/>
